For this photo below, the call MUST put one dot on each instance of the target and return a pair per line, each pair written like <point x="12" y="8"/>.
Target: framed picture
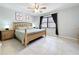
<point x="18" y="16"/>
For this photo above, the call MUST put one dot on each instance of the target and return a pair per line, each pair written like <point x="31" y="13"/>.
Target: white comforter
<point x="21" y="32"/>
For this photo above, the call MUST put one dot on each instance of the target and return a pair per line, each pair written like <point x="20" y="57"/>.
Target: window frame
<point x="47" y="22"/>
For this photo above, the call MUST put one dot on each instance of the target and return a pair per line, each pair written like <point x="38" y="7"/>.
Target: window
<point x="51" y="22"/>
<point x="44" y="22"/>
<point x="48" y="22"/>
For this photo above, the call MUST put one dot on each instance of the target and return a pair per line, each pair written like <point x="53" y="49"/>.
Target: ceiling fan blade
<point x="30" y="8"/>
<point x="43" y="8"/>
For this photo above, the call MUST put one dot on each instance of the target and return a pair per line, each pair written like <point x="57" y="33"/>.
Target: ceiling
<point x="22" y="7"/>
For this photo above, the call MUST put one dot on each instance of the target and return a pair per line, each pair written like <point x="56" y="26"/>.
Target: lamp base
<point x="6" y="28"/>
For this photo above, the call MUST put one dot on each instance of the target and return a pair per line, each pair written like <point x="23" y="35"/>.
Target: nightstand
<point x="6" y="34"/>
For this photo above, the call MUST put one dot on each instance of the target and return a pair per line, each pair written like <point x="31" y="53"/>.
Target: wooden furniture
<point x="28" y="36"/>
<point x="16" y="25"/>
<point x="6" y="34"/>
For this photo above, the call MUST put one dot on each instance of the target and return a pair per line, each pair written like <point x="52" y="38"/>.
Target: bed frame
<point x="28" y="36"/>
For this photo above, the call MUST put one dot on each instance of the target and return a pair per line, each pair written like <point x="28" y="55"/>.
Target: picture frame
<point x="18" y="16"/>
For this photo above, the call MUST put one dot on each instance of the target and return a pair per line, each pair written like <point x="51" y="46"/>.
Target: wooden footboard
<point x="32" y="36"/>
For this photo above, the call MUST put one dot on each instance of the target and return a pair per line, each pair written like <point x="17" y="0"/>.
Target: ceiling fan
<point x="36" y="7"/>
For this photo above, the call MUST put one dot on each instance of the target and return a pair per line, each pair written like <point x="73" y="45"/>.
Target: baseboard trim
<point x="67" y="37"/>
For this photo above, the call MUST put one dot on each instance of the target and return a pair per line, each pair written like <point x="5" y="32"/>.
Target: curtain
<point x="40" y="22"/>
<point x="54" y="16"/>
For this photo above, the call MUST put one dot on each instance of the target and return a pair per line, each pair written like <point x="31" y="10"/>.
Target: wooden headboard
<point x="22" y="24"/>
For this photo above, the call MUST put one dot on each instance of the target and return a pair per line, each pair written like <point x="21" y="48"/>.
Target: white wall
<point x="68" y="22"/>
<point x="7" y="17"/>
<point x="36" y="21"/>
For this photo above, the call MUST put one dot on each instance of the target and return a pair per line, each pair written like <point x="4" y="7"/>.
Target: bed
<point x="25" y="33"/>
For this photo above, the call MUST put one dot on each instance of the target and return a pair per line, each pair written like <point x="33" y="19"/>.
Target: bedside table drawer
<point x="4" y="36"/>
<point x="7" y="34"/>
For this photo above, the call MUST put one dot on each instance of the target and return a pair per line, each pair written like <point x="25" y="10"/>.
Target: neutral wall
<point x="36" y="21"/>
<point x="68" y="22"/>
<point x="7" y="17"/>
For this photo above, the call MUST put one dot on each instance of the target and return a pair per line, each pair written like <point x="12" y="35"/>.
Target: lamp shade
<point x="6" y="26"/>
<point x="33" y="25"/>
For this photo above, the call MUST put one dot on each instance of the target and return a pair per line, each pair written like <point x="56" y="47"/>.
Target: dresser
<point x="6" y="34"/>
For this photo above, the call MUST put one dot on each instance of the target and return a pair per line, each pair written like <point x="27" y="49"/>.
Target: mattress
<point x="21" y="32"/>
<point x="30" y="30"/>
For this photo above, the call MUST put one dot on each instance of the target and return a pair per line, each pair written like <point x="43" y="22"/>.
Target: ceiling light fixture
<point x="36" y="7"/>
